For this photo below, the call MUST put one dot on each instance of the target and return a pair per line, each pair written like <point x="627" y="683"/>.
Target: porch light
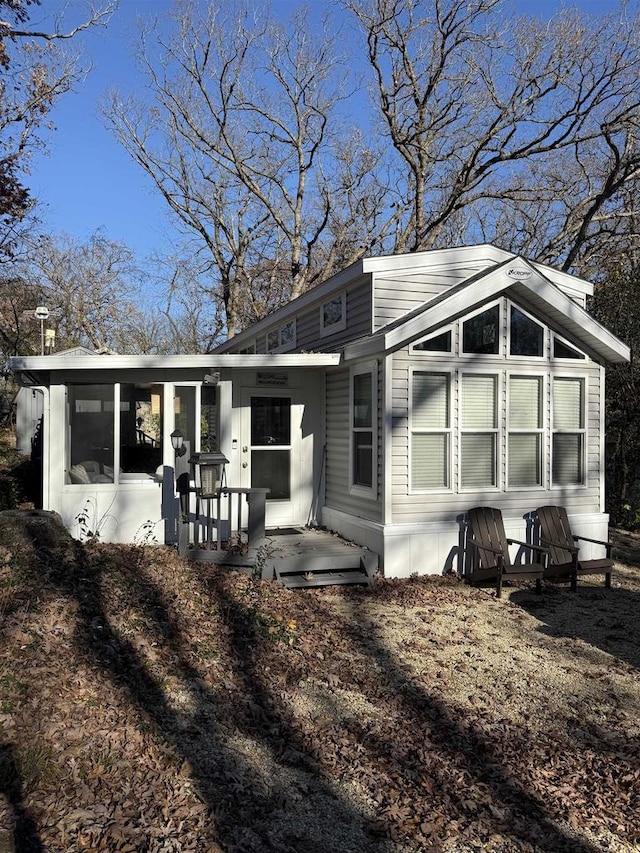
<point x="177" y="442"/>
<point x="208" y="472"/>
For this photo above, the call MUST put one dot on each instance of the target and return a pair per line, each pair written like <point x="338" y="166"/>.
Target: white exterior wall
<point x="435" y="548"/>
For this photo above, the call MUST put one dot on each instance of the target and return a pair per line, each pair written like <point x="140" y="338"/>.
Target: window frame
<point x="496" y="303"/>
<point x="447" y="431"/>
<point x="582" y="357"/>
<point x="341" y="324"/>
<point x="540" y="431"/>
<point x="582" y="431"/>
<point x="435" y="352"/>
<point x="545" y="335"/>
<point x="496" y="431"/>
<point x="361" y="489"/>
<point x="288" y="345"/>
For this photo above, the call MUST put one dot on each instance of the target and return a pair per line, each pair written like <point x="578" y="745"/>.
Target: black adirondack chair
<point x="491" y="560"/>
<point x="564" y="553"/>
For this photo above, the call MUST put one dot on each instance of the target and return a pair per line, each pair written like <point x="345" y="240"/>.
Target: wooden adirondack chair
<point x="564" y="559"/>
<point x="491" y="561"/>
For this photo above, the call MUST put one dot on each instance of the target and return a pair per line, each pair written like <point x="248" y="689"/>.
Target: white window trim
<point x="434" y="353"/>
<point x="501" y="332"/>
<point x="370" y="367"/>
<point x="545" y="335"/>
<point x="249" y="349"/>
<point x="431" y="431"/>
<point x="286" y="347"/>
<point x="497" y="430"/>
<point x="563" y="340"/>
<point x="542" y="431"/>
<point x="338" y="326"/>
<point x="584" y="432"/>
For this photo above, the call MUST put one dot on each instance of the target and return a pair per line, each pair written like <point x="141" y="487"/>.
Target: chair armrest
<point x="540" y="549"/>
<point x="572" y="548"/>
<point x="486" y="547"/>
<point x="607" y="545"/>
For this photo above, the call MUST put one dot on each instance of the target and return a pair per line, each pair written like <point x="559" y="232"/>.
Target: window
<point x="140" y="428"/>
<point x="525" y="432"/>
<point x="363" y="405"/>
<point x="526" y="337"/>
<point x="568" y="431"/>
<point x="561" y="349"/>
<point x="282" y="338"/>
<point x="209" y="431"/>
<point x="250" y="349"/>
<point x="430" y="431"/>
<point x="333" y="315"/>
<point x="479" y="431"/>
<point x="115" y="432"/>
<point x="90" y="451"/>
<point x="481" y="333"/>
<point x="438" y="343"/>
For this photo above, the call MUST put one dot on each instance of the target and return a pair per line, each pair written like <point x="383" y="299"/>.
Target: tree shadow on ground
<point x="452" y="761"/>
<point x="22" y="836"/>
<point x="606" y="619"/>
<point x="252" y="806"/>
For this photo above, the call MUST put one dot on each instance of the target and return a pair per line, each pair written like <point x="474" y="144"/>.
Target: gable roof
<point x="514" y="277"/>
<point x="464" y="260"/>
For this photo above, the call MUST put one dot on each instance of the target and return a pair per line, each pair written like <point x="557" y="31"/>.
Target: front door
<point x="271" y="451"/>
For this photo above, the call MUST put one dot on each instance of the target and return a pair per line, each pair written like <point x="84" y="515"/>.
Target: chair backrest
<point x="487" y="528"/>
<point x="554" y="527"/>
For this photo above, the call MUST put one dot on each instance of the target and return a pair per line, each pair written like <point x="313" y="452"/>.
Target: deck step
<point x="305" y="570"/>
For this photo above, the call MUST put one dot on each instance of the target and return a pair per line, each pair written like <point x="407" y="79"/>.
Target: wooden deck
<point x="299" y="558"/>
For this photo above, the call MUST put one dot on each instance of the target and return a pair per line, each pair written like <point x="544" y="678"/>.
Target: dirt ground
<point x="150" y="704"/>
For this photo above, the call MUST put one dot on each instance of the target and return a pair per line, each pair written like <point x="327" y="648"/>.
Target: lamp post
<point x="41" y="313"/>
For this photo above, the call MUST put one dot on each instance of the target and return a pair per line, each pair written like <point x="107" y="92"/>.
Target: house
<point x="382" y="405"/>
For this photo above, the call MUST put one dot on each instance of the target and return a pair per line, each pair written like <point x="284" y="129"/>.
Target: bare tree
<point x="91" y="290"/>
<point x="525" y="133"/>
<point x="34" y="72"/>
<point x="239" y="141"/>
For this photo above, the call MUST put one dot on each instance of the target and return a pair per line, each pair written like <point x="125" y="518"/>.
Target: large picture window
<point x="568" y="466"/>
<point x="479" y="431"/>
<point x="363" y="445"/>
<point x="430" y="431"/>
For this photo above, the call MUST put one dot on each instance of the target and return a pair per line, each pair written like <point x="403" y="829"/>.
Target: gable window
<point x="282" y="338"/>
<point x="430" y="431"/>
<point x="363" y="444"/>
<point x="437" y="343"/>
<point x="525" y="440"/>
<point x="481" y="333"/>
<point x="561" y="349"/>
<point x="333" y="315"/>
<point x="250" y="349"/>
<point x="526" y="337"/>
<point x="568" y="466"/>
<point x="479" y="431"/>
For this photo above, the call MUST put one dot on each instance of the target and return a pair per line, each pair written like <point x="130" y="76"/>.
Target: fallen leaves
<point x="176" y="706"/>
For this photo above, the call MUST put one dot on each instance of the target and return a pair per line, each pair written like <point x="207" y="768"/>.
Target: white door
<point x="271" y="433"/>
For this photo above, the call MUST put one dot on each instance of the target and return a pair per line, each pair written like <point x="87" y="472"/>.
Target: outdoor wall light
<point x="177" y="442"/>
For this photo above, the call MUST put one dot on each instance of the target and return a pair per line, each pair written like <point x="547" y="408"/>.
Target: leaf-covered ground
<point x="150" y="704"/>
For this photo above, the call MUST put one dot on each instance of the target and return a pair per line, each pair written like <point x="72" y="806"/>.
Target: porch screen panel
<point x="478" y="441"/>
<point x="430" y="425"/>
<point x="91" y="433"/>
<point x="525" y="445"/>
<point x="568" y="466"/>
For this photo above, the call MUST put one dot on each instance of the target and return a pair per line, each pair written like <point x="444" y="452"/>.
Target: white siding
<point x="337" y="474"/>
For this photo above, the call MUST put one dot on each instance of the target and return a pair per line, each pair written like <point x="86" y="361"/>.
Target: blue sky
<point x="86" y="181"/>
